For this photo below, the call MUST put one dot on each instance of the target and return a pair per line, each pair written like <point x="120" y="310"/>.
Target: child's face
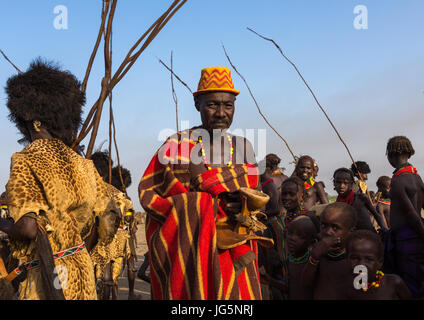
<point x="298" y="240"/>
<point x="334" y="224"/>
<point x="342" y="183"/>
<point x="291" y="195"/>
<point x="385" y="190"/>
<point x="365" y="252"/>
<point x="305" y="169"/>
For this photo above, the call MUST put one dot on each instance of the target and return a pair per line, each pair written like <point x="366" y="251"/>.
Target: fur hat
<point x="49" y="95"/>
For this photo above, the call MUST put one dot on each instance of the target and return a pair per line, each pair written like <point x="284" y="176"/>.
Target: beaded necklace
<point x="376" y="283"/>
<point x="336" y="254"/>
<point x="301" y="259"/>
<point x="290" y="216"/>
<point x="230" y="162"/>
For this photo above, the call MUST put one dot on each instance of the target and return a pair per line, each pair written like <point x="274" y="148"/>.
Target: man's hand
<point x="232" y="206"/>
<point x="323" y="246"/>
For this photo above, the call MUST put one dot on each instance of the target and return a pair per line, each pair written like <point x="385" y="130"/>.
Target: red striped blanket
<point x="185" y="262"/>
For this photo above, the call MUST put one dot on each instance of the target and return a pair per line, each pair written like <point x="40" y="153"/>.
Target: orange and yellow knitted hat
<point x="215" y="79"/>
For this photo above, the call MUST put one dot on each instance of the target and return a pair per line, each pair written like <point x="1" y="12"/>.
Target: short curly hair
<point x="381" y="181"/>
<point x="116" y="179"/>
<point x="295" y="180"/>
<point x="345" y="170"/>
<point x="400" y="145"/>
<point x="361" y="166"/>
<point x="272" y="161"/>
<point x="47" y="94"/>
<point x="368" y="235"/>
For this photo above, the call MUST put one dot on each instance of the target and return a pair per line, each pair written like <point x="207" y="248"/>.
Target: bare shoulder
<point x="393" y="279"/>
<point x="319" y="185"/>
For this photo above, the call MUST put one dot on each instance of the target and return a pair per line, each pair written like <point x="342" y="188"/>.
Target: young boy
<point x="314" y="192"/>
<point x="383" y="203"/>
<point x="327" y="268"/>
<point x="276" y="258"/>
<point x="405" y="247"/>
<point x="301" y="235"/>
<point x="365" y="248"/>
<point x="343" y="182"/>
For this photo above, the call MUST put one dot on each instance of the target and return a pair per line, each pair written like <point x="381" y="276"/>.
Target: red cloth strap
<point x="349" y="199"/>
<point x="408" y="169"/>
<point x="266" y="182"/>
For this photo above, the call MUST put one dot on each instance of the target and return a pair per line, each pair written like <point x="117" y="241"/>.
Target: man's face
<point x="291" y="195"/>
<point x="216" y="110"/>
<point x="343" y="183"/>
<point x="364" y="252"/>
<point x="334" y="225"/>
<point x="305" y="169"/>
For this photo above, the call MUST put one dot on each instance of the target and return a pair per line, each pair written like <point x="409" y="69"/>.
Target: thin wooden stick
<point x="176" y="76"/>
<point x="108" y="55"/>
<point x="257" y="106"/>
<point x="174" y="95"/>
<point x="106" y="80"/>
<point x="4" y="55"/>
<point x="92" y="121"/>
<point x="128" y="63"/>
<point x="105" y="10"/>
<point x="310" y="90"/>
<point x="316" y="100"/>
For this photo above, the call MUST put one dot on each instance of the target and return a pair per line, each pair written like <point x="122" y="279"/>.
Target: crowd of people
<point x="318" y="245"/>
<point x="217" y="226"/>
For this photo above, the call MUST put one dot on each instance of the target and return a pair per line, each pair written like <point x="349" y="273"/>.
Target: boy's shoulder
<point x="393" y="279"/>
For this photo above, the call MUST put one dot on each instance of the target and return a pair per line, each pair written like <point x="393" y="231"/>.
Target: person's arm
<point x="377" y="215"/>
<point x="272" y="207"/>
<point x="381" y="210"/>
<point x="322" y="195"/>
<point x="24" y="229"/>
<point x="402" y="290"/>
<point x="310" y="271"/>
<point x="398" y="190"/>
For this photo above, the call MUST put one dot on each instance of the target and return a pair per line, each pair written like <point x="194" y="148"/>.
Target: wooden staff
<point x="257" y="106"/>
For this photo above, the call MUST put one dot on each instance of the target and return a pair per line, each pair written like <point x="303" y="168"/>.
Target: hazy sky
<point x="370" y="81"/>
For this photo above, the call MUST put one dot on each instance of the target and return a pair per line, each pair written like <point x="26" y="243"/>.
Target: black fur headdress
<point x="116" y="180"/>
<point x="47" y="94"/>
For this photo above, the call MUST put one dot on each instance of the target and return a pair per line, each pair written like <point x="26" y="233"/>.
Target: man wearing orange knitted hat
<point x="191" y="193"/>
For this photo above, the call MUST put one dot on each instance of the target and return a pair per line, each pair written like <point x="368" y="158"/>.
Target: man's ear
<point x="197" y="103"/>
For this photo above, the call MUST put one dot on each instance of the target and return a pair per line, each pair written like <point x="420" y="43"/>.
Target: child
<point x="405" y="247"/>
<point x="364" y="170"/>
<point x="276" y="259"/>
<point x="301" y="235"/>
<point x="383" y="204"/>
<point x="343" y="182"/>
<point x="314" y="191"/>
<point x="327" y="268"/>
<point x="365" y="248"/>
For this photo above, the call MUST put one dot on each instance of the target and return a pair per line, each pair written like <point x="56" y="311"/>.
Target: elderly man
<point x="190" y="190"/>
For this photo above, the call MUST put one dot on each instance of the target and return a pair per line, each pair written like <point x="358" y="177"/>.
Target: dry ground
<point x="141" y="287"/>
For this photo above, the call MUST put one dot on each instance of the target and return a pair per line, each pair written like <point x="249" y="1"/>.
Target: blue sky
<point x="370" y="81"/>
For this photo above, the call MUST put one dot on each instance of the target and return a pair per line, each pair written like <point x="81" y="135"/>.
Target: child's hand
<point x="323" y="246"/>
